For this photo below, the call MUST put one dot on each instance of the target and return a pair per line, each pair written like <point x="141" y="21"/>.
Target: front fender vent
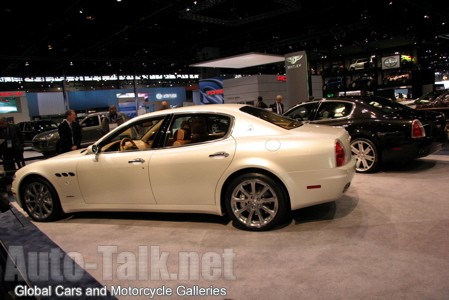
<point x="64" y="174"/>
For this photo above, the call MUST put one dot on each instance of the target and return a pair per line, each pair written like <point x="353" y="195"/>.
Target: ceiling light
<point x="241" y="61"/>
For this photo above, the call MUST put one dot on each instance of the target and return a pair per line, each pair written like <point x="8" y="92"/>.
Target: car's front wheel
<point x="256" y="202"/>
<point x="40" y="200"/>
<point x="366" y="155"/>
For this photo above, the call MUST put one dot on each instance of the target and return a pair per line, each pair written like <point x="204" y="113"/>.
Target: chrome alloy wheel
<point x="254" y="203"/>
<point x="366" y="155"/>
<point x="39" y="201"/>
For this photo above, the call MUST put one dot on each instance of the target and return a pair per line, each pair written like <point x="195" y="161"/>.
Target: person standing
<point x="278" y="106"/>
<point x="11" y="145"/>
<point x="260" y="103"/>
<point x="165" y="105"/>
<point x="69" y="133"/>
<point x="112" y="119"/>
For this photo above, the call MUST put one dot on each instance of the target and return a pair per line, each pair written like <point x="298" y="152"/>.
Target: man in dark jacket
<point x="69" y="133"/>
<point x="278" y="106"/>
<point x="260" y="103"/>
<point x="11" y="143"/>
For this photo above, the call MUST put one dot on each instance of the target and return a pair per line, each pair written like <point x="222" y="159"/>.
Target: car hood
<point x="44" y="133"/>
<point x="59" y="160"/>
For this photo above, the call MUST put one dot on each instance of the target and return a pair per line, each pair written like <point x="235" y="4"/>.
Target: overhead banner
<point x="296" y="67"/>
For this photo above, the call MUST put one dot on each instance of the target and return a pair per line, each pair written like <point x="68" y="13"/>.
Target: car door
<point x="188" y="174"/>
<point x="27" y="132"/>
<point x="116" y="176"/>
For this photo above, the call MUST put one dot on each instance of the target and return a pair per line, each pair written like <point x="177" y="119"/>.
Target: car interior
<point x="184" y="130"/>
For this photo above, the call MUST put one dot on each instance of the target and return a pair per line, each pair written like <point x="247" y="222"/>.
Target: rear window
<point x="271" y="117"/>
<point x="386" y="105"/>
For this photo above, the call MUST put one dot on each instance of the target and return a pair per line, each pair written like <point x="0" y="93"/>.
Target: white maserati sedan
<point x="249" y="163"/>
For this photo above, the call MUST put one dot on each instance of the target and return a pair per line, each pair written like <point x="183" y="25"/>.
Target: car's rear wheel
<point x="366" y="154"/>
<point x="255" y="202"/>
<point x="40" y="200"/>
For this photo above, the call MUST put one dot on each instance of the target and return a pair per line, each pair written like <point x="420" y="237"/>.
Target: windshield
<point x="45" y="125"/>
<point x="271" y="117"/>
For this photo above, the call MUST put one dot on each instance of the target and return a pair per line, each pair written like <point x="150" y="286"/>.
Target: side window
<point x="137" y="136"/>
<point x="197" y="128"/>
<point x="91" y="121"/>
<point x="333" y="110"/>
<point x="302" y="112"/>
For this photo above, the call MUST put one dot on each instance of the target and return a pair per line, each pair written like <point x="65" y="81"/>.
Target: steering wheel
<point x="123" y="146"/>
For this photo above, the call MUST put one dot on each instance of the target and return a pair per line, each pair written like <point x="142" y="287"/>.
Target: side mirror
<point x="92" y="149"/>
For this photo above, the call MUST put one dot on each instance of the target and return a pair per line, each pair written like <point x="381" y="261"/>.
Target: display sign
<point x="211" y="91"/>
<point x="9" y="104"/>
<point x="390" y="62"/>
<point x="12" y="94"/>
<point x="297" y="78"/>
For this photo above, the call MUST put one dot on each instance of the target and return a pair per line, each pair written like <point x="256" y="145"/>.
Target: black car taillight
<point x="417" y="129"/>
<point x="340" y="155"/>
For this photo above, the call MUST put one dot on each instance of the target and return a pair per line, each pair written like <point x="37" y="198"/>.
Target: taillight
<point x="417" y="129"/>
<point x="339" y="154"/>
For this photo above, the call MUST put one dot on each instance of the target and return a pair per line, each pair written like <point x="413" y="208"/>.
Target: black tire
<point x="366" y="154"/>
<point x="40" y="200"/>
<point x="256" y="202"/>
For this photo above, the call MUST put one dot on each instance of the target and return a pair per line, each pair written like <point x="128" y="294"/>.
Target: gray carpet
<point x="387" y="238"/>
<point x="41" y="262"/>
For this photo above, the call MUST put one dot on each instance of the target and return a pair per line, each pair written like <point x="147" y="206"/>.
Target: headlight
<point x="47" y="137"/>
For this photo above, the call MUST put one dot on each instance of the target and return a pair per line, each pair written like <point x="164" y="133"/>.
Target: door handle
<point x="136" y="160"/>
<point x="225" y="154"/>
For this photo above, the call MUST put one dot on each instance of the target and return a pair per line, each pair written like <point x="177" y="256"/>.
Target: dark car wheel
<point x="255" y="202"/>
<point x="367" y="157"/>
<point x="40" y="200"/>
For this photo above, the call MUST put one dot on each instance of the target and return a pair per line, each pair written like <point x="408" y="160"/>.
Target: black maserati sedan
<point x="381" y="130"/>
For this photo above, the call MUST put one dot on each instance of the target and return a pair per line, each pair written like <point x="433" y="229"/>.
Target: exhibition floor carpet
<point x="386" y="238"/>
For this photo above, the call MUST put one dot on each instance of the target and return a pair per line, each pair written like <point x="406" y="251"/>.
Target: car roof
<point x="211" y="108"/>
<point x="37" y="121"/>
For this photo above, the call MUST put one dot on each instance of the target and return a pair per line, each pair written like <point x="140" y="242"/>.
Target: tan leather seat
<point x="182" y="137"/>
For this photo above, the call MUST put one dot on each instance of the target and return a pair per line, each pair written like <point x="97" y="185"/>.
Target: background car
<point x="30" y="128"/>
<point x="250" y="163"/>
<point x="46" y="142"/>
<point x="362" y="81"/>
<point x="359" y="64"/>
<point x="334" y="83"/>
<point x="440" y="104"/>
<point x="381" y="130"/>
<point x="425" y="99"/>
<point x="334" y="69"/>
